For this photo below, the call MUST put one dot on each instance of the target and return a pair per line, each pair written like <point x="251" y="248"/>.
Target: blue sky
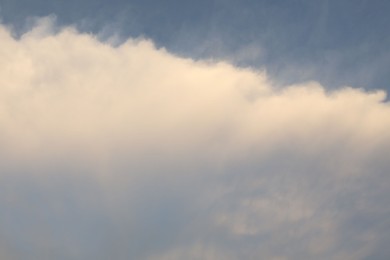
<point x="335" y="42"/>
<point x="194" y="129"/>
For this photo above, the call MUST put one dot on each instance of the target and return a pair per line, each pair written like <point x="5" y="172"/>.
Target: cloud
<point x="132" y="152"/>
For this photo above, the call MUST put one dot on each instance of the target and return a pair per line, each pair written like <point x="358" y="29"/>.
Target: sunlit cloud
<point x="130" y="151"/>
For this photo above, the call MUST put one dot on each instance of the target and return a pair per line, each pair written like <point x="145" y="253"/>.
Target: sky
<point x="174" y="129"/>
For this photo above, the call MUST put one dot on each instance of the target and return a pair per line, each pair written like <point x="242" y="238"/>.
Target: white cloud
<point x="139" y="153"/>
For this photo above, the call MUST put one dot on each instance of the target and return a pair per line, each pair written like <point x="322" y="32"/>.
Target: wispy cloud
<point x="132" y="152"/>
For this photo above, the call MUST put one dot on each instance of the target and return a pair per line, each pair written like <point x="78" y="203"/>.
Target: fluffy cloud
<point x="132" y="152"/>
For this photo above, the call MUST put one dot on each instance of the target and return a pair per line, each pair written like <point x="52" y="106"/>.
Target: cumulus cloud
<point x="132" y="152"/>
